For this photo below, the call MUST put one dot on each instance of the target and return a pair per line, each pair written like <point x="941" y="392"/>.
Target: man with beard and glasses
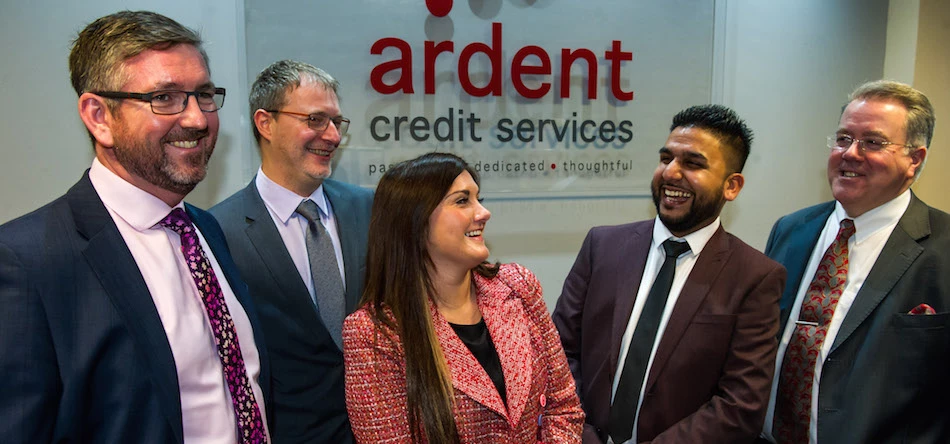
<point x="669" y="324"/>
<point x="124" y="318"/>
<point x="303" y="294"/>
<point x="864" y="351"/>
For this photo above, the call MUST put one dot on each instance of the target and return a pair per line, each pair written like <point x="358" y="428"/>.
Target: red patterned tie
<point x="793" y="397"/>
<point x="248" y="414"/>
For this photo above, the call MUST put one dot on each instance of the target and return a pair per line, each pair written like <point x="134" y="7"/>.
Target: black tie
<point x="624" y="408"/>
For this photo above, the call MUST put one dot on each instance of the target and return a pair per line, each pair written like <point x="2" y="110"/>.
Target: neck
<point x="455" y="298"/>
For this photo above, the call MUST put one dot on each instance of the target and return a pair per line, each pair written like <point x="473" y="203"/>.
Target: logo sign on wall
<point x="543" y="97"/>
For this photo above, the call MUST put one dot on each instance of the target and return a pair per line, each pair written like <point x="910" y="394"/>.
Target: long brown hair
<point x="397" y="278"/>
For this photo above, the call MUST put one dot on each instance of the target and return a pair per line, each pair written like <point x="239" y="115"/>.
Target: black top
<point x="476" y="338"/>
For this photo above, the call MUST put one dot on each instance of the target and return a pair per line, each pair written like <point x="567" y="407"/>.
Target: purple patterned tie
<point x="793" y="397"/>
<point x="248" y="414"/>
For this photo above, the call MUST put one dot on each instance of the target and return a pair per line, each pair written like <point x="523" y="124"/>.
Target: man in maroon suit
<point x="670" y="324"/>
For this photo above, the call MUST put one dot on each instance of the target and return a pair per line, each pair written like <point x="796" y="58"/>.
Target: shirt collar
<point x="283" y="201"/>
<point x="872" y="221"/>
<point x="137" y="207"/>
<point x="697" y="240"/>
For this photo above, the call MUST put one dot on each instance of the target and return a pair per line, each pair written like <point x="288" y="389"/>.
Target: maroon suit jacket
<point x="542" y="400"/>
<point x="713" y="368"/>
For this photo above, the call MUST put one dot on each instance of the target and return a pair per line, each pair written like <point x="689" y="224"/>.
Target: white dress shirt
<point x="206" y="408"/>
<point x="282" y="205"/>
<point x="697" y="240"/>
<point x="871" y="231"/>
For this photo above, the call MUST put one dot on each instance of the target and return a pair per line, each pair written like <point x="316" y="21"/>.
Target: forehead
<point x="463" y="181"/>
<point x="883" y="116"/>
<point x="313" y="97"/>
<point x="692" y="141"/>
<point x="178" y="67"/>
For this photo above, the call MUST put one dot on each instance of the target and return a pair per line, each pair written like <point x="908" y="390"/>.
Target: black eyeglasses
<point x="320" y="121"/>
<point x="841" y="142"/>
<point x="167" y="102"/>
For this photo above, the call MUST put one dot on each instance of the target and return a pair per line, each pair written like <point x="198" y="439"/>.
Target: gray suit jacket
<point x="307" y="367"/>
<point x="83" y="353"/>
<point x="886" y="377"/>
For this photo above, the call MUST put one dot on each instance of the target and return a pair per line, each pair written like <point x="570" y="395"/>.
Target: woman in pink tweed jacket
<point x="448" y="348"/>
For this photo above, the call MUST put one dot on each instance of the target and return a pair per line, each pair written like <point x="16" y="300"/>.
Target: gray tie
<point x="327" y="285"/>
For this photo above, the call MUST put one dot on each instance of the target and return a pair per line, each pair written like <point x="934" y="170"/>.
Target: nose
<point x="482" y="214"/>
<point x="193" y="116"/>
<point x="853" y="151"/>
<point x="672" y="171"/>
<point x="332" y="133"/>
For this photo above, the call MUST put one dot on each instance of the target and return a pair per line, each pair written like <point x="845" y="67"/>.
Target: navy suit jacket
<point x="885" y="377"/>
<point x="712" y="371"/>
<point x="83" y="354"/>
<point x="309" y="403"/>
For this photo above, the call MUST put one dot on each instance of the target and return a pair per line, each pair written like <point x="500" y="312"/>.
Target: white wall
<point x="785" y="65"/>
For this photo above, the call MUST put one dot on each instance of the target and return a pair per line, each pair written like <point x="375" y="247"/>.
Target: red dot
<point x="552" y="166"/>
<point x="439" y="8"/>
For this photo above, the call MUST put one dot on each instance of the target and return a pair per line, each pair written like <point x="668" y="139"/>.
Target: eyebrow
<point x="690" y="155"/>
<point x="166" y="86"/>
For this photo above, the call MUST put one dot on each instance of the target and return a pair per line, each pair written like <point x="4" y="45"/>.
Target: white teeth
<point x="184" y="143"/>
<point x="675" y="193"/>
<point x="849" y="174"/>
<point x="474" y="233"/>
<point x="319" y="152"/>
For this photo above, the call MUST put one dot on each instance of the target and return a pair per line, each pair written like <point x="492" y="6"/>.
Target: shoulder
<point x="232" y="205"/>
<point x="793" y="219"/>
<point x="611" y="231"/>
<point x="345" y="188"/>
<point x="748" y="256"/>
<point x="26" y="232"/>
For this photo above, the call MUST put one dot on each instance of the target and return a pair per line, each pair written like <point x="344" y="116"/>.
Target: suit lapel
<point x="508" y="327"/>
<point x="899" y="252"/>
<point x="346" y="225"/>
<point x="266" y="240"/>
<point x="110" y="259"/>
<point x="797" y="253"/>
<point x="708" y="266"/>
<point x="633" y="253"/>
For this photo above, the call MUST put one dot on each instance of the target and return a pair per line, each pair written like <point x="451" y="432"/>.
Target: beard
<point x="155" y="166"/>
<point x="705" y="206"/>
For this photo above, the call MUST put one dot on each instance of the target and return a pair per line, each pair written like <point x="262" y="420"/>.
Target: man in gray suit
<point x="304" y="267"/>
<point x="865" y="338"/>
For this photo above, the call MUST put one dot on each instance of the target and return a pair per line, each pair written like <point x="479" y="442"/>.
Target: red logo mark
<point x="439" y="8"/>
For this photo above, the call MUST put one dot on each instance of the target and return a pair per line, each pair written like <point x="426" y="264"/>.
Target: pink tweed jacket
<point x="542" y="402"/>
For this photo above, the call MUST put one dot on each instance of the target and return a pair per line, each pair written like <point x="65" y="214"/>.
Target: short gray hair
<point x="275" y="82"/>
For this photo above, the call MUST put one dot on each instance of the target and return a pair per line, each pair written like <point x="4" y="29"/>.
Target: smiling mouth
<point x="677" y="193"/>
<point x="849" y="174"/>
<point x="320" y="152"/>
<point x="474" y="233"/>
<point x="184" y="143"/>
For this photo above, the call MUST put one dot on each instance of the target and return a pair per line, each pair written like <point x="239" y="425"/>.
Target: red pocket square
<point x="922" y="309"/>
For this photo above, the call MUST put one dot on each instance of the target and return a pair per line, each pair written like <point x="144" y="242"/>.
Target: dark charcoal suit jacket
<point x="713" y="368"/>
<point x="886" y="377"/>
<point x="307" y="366"/>
<point x="83" y="354"/>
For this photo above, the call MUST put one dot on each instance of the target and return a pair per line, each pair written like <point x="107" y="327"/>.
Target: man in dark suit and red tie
<point x="669" y="324"/>
<point x="864" y="350"/>
<point x="124" y="319"/>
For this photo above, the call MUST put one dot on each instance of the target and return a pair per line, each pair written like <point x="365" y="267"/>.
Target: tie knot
<point x="309" y="210"/>
<point x="675" y="248"/>
<point x="177" y="221"/>
<point x="846" y="230"/>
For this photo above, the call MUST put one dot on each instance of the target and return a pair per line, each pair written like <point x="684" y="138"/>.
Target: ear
<point x="263" y="120"/>
<point x="98" y="118"/>
<point x="917" y="158"/>
<point x="732" y="186"/>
